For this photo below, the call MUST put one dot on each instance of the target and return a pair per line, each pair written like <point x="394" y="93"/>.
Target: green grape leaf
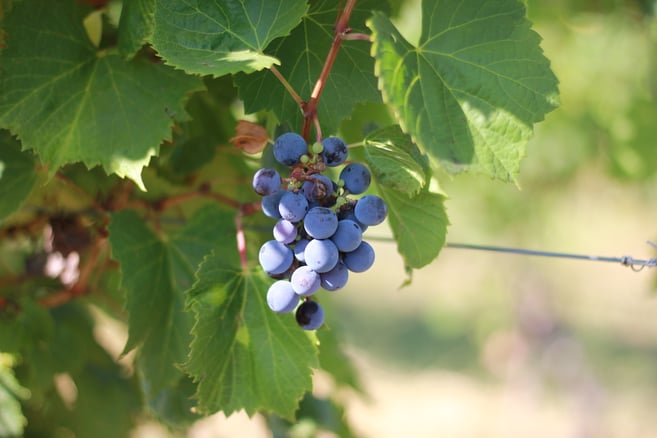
<point x="106" y="399"/>
<point x="302" y="57"/>
<point x="70" y="103"/>
<point x="135" y="25"/>
<point x="219" y="38"/>
<point x="418" y="224"/>
<point x="395" y="161"/>
<point x="17" y="175"/>
<point x="471" y="90"/>
<point x="244" y="356"/>
<point x="175" y="405"/>
<point x="30" y="326"/>
<point x="156" y="270"/>
<point x="12" y="420"/>
<point x="107" y="402"/>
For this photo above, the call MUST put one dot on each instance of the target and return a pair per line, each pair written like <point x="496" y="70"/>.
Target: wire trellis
<point x="628" y="261"/>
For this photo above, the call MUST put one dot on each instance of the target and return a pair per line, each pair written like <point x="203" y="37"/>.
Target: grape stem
<point x="287" y="86"/>
<point x="309" y="109"/>
<point x="241" y="240"/>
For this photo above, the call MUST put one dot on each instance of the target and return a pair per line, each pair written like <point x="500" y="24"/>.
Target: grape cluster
<point x="318" y="236"/>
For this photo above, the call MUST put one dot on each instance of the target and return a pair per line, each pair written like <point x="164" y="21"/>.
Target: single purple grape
<point x="305" y="281"/>
<point x="310" y="315"/>
<point x="267" y="182"/>
<point x="336" y="278"/>
<point x="281" y="297"/>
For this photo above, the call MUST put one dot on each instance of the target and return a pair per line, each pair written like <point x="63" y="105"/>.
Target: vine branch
<point x="309" y="109"/>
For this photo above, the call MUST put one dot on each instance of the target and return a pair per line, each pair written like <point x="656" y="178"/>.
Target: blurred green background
<point x="497" y="345"/>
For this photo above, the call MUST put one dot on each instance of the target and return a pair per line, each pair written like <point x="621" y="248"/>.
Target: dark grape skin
<point x="370" y="210"/>
<point x="336" y="278"/>
<point x="360" y="259"/>
<point x="347" y="236"/>
<point x="318" y="188"/>
<point x="310" y="315"/>
<point x="289" y="147"/>
<point x="293" y="206"/>
<point x="270" y="204"/>
<point x="320" y="222"/>
<point x="356" y="178"/>
<point x="266" y="182"/>
<point x="299" y="249"/>
<point x="335" y="151"/>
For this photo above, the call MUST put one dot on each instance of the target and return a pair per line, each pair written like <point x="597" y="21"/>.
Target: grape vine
<point x="126" y="159"/>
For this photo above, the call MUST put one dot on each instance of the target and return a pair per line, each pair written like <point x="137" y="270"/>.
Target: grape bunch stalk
<point x="318" y="236"/>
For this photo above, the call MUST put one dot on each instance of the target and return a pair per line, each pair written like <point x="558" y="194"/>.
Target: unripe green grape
<point x="340" y="202"/>
<point x="317" y="147"/>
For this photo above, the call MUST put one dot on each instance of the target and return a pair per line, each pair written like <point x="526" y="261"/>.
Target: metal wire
<point x="634" y="264"/>
<point x="629" y="261"/>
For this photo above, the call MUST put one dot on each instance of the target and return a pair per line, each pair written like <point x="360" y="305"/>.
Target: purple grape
<point x="310" y="315"/>
<point x="274" y="257"/>
<point x="317" y="188"/>
<point x="267" y="182"/>
<point x="305" y="281"/>
<point x="356" y="178"/>
<point x="320" y="222"/>
<point x="360" y="259"/>
<point x="348" y="213"/>
<point x="293" y="206"/>
<point x="335" y="151"/>
<point x="270" y="204"/>
<point x="321" y="255"/>
<point x="348" y="235"/>
<point x="285" y="231"/>
<point x="281" y="297"/>
<point x="370" y="210"/>
<point x="336" y="278"/>
<point x="299" y="250"/>
<point x="289" y="147"/>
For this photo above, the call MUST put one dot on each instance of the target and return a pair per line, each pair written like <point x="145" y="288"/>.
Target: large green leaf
<point x="418" y="223"/>
<point x="71" y="103"/>
<point x="135" y="25"/>
<point x="416" y="215"/>
<point x="395" y="161"/>
<point x="244" y="356"/>
<point x="101" y="385"/>
<point x="156" y="270"/>
<point x="17" y="175"/>
<point x="471" y="90"/>
<point x="302" y="57"/>
<point x="218" y="38"/>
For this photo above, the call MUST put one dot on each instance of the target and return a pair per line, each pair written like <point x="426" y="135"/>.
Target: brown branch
<point x="341" y="29"/>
